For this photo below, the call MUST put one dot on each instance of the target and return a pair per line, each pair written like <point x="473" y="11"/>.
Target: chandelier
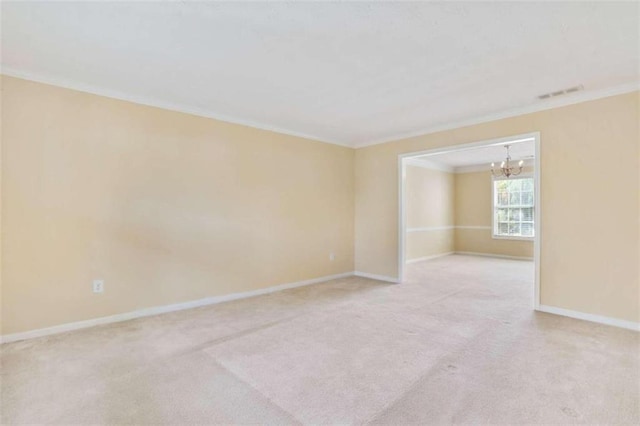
<point x="506" y="169"/>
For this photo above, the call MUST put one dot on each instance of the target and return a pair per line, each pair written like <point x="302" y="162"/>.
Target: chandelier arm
<point x="506" y="169"/>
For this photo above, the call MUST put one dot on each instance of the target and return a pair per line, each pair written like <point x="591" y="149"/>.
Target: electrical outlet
<point x="332" y="256"/>
<point x="98" y="286"/>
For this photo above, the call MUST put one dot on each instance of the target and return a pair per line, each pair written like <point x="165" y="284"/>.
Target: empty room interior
<point x="319" y="213"/>
<point x="460" y="202"/>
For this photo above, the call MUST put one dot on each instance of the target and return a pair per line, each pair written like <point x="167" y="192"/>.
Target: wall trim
<point x="424" y="258"/>
<point x="158" y="103"/>
<point x="497" y="256"/>
<point x="600" y="319"/>
<point x="376" y="277"/>
<point x="579" y="97"/>
<point x="430" y="165"/>
<point x="434" y="165"/>
<point x="576" y="98"/>
<point x="155" y="310"/>
<point x="485" y="167"/>
<point x="484" y="227"/>
<point x="447" y="227"/>
<point x="431" y="228"/>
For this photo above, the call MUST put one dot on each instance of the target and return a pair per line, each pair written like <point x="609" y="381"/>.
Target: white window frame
<point x="496" y="236"/>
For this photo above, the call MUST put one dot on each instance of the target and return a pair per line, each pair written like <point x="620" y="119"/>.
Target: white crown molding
<point x="565" y="100"/>
<point x="434" y="165"/>
<point x="376" y="277"/>
<point x="629" y="325"/>
<point x="157" y="103"/>
<point x="428" y="164"/>
<point x="472" y="169"/>
<point x="486" y="167"/>
<point x="78" y="325"/>
<point x="579" y="97"/>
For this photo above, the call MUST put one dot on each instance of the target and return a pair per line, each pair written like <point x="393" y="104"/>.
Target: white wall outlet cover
<point x="332" y="256"/>
<point x="98" y="286"/>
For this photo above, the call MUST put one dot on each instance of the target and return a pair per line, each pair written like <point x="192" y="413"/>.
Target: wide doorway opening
<point x="474" y="208"/>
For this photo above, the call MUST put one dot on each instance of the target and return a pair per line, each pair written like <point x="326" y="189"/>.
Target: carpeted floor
<point x="457" y="343"/>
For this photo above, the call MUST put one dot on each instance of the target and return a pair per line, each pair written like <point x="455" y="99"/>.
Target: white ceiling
<point x="347" y="73"/>
<point x="484" y="155"/>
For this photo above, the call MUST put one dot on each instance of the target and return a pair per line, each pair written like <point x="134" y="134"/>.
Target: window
<point x="513" y="207"/>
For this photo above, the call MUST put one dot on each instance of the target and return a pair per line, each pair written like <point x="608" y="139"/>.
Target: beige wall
<point x="429" y="198"/>
<point x="474" y="208"/>
<point x="165" y="207"/>
<point x="589" y="239"/>
<point x="168" y="207"/>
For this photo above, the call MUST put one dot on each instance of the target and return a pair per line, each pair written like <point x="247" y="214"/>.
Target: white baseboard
<point x="376" y="277"/>
<point x="435" y="256"/>
<point x="14" y="337"/>
<point x="629" y="325"/>
<point x="498" y="256"/>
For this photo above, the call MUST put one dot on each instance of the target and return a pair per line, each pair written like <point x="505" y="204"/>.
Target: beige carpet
<point x="457" y="343"/>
